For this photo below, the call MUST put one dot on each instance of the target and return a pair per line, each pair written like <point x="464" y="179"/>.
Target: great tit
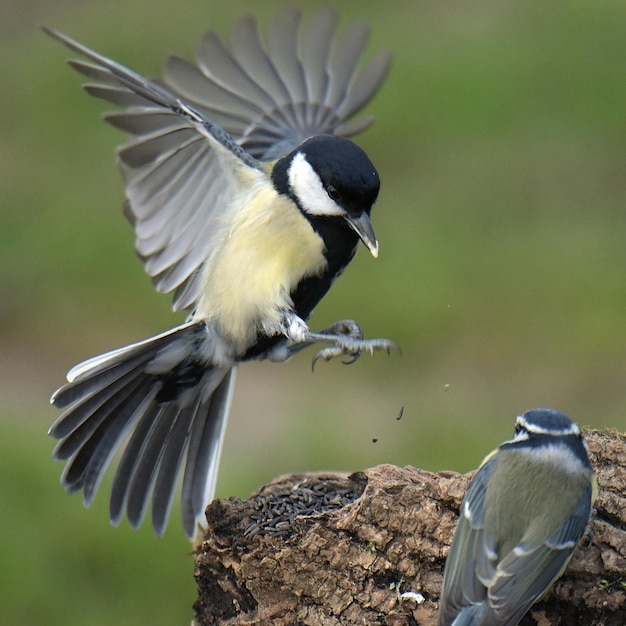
<point x="525" y="511"/>
<point x="248" y="201"/>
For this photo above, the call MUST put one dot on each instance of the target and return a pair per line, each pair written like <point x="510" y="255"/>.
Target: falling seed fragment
<point x="400" y="413"/>
<point x="374" y="440"/>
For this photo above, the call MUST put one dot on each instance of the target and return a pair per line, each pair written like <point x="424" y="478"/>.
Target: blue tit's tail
<point x="473" y="616"/>
<point x="171" y="397"/>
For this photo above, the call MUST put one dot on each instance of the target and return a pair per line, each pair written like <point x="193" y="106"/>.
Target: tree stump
<point x="370" y="548"/>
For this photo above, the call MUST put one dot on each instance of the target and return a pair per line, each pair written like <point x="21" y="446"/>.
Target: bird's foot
<point x="346" y="339"/>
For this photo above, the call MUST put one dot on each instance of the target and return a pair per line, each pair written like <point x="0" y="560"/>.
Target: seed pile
<point x="274" y="513"/>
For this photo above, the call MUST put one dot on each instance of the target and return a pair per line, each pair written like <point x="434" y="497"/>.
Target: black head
<point x="329" y="176"/>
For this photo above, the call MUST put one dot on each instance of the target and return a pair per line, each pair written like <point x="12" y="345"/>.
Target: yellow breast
<point x="266" y="246"/>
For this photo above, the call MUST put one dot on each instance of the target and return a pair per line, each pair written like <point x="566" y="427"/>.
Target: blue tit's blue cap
<point x="547" y="422"/>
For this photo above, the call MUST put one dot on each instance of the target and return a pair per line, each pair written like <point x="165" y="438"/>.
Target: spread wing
<point x="197" y="140"/>
<point x="507" y="588"/>
<point x="305" y="82"/>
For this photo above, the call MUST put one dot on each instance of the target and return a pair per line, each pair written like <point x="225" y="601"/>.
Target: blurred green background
<point x="501" y="143"/>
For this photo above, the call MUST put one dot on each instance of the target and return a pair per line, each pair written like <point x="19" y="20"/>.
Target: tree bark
<point x="369" y="548"/>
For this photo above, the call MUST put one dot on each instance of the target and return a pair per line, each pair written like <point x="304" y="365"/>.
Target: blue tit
<point x="248" y="200"/>
<point x="525" y="511"/>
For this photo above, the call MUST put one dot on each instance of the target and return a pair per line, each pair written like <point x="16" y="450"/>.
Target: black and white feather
<point x="221" y="114"/>
<point x="201" y="151"/>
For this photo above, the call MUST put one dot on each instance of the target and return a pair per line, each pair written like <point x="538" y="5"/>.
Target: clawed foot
<point x="347" y="339"/>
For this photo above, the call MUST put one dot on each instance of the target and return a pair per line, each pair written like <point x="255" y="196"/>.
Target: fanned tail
<point x="169" y="400"/>
<point x="472" y="616"/>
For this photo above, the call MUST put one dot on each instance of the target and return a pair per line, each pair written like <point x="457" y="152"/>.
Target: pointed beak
<point x="362" y="226"/>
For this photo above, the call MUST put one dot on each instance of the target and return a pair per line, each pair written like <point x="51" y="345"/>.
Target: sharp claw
<point x="352" y="359"/>
<point x="352" y="347"/>
<point x="327" y="354"/>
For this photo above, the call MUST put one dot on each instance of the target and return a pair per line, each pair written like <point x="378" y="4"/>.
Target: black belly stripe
<point x="341" y="244"/>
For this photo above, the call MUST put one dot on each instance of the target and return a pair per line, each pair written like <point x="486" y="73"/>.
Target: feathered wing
<point x="172" y="406"/>
<point x="195" y="140"/>
<point x="181" y="172"/>
<point x="471" y="552"/>
<point x="304" y="82"/>
<point x="525" y="574"/>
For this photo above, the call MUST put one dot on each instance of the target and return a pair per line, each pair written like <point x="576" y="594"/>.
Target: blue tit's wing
<point x="472" y="557"/>
<point x="181" y="170"/>
<point x="527" y="572"/>
<point x="270" y="98"/>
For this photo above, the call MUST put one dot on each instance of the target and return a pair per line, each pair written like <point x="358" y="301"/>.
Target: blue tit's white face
<point x="551" y="438"/>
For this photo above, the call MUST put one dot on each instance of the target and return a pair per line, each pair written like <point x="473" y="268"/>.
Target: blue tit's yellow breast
<point x="263" y="250"/>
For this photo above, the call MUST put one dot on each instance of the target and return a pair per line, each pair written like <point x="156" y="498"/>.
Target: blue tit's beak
<point x="362" y="226"/>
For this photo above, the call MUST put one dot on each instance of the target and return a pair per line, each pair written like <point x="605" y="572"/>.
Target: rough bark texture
<point x="333" y="549"/>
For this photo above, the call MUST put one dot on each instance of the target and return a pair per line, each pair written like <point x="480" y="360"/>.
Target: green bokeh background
<point x="501" y="143"/>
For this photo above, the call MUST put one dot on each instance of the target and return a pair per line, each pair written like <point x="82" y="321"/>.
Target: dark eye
<point x="333" y="193"/>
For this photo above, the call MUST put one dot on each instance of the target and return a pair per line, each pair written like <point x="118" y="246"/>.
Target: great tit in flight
<point x="524" y="513"/>
<point x="248" y="201"/>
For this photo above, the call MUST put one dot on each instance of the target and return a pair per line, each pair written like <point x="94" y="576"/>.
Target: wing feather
<point x="524" y="574"/>
<point x="282" y="42"/>
<point x="249" y="51"/>
<point x="461" y="585"/>
<point x="198" y="87"/>
<point x="365" y="85"/>
<point x="347" y="54"/>
<point x="196" y="137"/>
<point x="298" y="85"/>
<point x="316" y="45"/>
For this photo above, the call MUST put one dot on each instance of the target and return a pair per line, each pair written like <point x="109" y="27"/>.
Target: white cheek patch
<point x="307" y="187"/>
<point x="559" y="456"/>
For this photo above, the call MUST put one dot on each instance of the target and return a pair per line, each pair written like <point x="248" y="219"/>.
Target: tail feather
<point x="93" y="458"/>
<point x="109" y="444"/>
<point x="105" y="362"/>
<point x="204" y="454"/>
<point x="141" y="482"/>
<point x="173" y="454"/>
<point x="133" y="453"/>
<point x="136" y="475"/>
<point x="474" y="616"/>
<point x="83" y="388"/>
<point x="164" y="391"/>
<point x="81" y="421"/>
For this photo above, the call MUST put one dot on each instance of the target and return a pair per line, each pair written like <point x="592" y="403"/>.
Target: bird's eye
<point x="333" y="193"/>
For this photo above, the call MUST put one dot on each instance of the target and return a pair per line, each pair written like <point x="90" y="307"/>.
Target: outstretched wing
<point x="271" y="98"/>
<point x="181" y="171"/>
<point x="196" y="138"/>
